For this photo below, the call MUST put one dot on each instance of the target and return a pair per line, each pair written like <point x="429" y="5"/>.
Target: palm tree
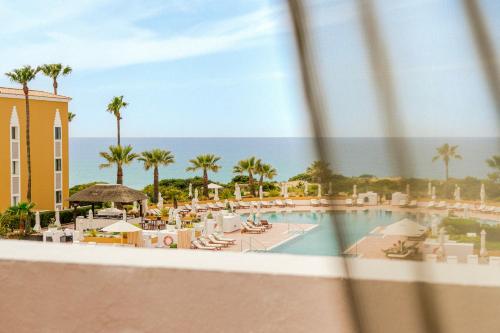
<point x="53" y="71"/>
<point x="446" y="153"/>
<point x="265" y="171"/>
<point x="21" y="211"/>
<point x="71" y="116"/>
<point x="249" y="166"/>
<point x="319" y="171"/>
<point x="114" y="107"/>
<point x="120" y="156"/>
<point x="494" y="162"/>
<point x="153" y="159"/>
<point x="23" y="76"/>
<point x="204" y="162"/>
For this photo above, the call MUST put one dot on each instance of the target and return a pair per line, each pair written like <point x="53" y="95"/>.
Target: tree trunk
<point x="250" y="182"/>
<point x="446" y="170"/>
<point x="261" y="180"/>
<point x="205" y="182"/>
<point x="54" y="84"/>
<point x="118" y="129"/>
<point x="119" y="175"/>
<point x="155" y="185"/>
<point x="28" y="142"/>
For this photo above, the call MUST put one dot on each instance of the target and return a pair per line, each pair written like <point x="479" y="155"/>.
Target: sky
<point x="228" y="68"/>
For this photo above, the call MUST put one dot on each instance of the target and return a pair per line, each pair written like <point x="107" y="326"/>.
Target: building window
<point x="58" y="197"/>
<point x="14" y="133"/>
<point x="58" y="164"/>
<point x="15" y="168"/>
<point x="57" y="133"/>
<point x="15" y="200"/>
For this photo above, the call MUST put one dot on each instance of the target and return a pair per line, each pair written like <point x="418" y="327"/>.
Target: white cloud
<point x="73" y="34"/>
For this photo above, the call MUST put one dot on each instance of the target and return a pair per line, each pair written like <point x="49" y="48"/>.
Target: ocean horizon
<point x="290" y="156"/>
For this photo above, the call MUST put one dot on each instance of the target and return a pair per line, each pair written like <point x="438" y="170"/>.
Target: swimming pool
<point x="321" y="240"/>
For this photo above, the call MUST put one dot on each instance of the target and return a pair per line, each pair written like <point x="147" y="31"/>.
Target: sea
<point x="381" y="157"/>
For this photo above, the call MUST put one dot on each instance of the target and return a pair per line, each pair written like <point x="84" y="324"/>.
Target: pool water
<point x="321" y="240"/>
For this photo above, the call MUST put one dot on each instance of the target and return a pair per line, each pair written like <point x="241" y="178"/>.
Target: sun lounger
<point x="266" y="204"/>
<point x="289" y="203"/>
<point x="324" y="202"/>
<point x="221" y="238"/>
<point x="314" y="203"/>
<point x="243" y="204"/>
<point x="403" y="203"/>
<point x="199" y="246"/>
<point x="252" y="224"/>
<point x="348" y="202"/>
<point x="212" y="239"/>
<point x="206" y="242"/>
<point x="441" y="205"/>
<point x="254" y="203"/>
<point x="412" y="204"/>
<point x="202" y="208"/>
<point x="212" y="206"/>
<point x="220" y="205"/>
<point x="279" y="203"/>
<point x="488" y="209"/>
<point x="456" y="206"/>
<point x="360" y="202"/>
<point x="246" y="228"/>
<point x="189" y="207"/>
<point x="431" y="204"/>
<point x="266" y="224"/>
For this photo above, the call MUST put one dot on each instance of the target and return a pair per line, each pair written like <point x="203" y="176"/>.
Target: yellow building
<point x="49" y="149"/>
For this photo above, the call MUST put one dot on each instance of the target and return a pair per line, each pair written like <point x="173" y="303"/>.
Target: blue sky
<point x="227" y="67"/>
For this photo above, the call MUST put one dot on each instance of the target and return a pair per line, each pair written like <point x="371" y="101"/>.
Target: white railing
<point x="250" y="244"/>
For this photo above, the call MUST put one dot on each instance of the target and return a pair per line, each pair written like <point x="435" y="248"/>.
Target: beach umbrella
<point x="261" y="193"/>
<point x="170" y="215"/>
<point x="457" y="193"/>
<point x="319" y="190"/>
<point x="483" y="252"/>
<point x="121" y="227"/>
<point x="194" y="203"/>
<point x="58" y="220"/>
<point x="190" y="190"/>
<point x="91" y="214"/>
<point x="330" y="190"/>
<point x="306" y="188"/>
<point x="160" y="201"/>
<point x="216" y="195"/>
<point x="178" y="222"/>
<point x="144" y="206"/>
<point x="482" y="194"/>
<point x="112" y="205"/>
<point x="37" y="226"/>
<point x="124" y="212"/>
<point x="196" y="194"/>
<point x="134" y="205"/>
<point x="285" y="190"/>
<point x="355" y="190"/>
<point x="433" y="193"/>
<point x="237" y="192"/>
<point x="429" y="189"/>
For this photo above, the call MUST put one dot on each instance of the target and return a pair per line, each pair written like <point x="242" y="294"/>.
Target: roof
<point x="36" y="94"/>
<point x="108" y="193"/>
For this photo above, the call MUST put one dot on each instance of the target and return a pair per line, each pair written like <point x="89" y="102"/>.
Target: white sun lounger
<point x="199" y="246"/>
<point x="324" y="202"/>
<point x="412" y="204"/>
<point x="315" y="203"/>
<point x="205" y="242"/>
<point x="403" y="203"/>
<point x="360" y="202"/>
<point x="348" y="202"/>
<point x="225" y="239"/>
<point x="431" y="204"/>
<point x="220" y="205"/>
<point x="441" y="205"/>
<point x="279" y="203"/>
<point x="289" y="203"/>
<point x="243" y="204"/>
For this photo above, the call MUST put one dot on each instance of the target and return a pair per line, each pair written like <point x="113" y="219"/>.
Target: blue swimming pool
<point x="321" y="240"/>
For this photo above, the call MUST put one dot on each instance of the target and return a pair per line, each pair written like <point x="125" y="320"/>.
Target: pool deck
<point x="279" y="234"/>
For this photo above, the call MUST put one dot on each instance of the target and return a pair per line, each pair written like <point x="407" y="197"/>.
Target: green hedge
<point x="460" y="226"/>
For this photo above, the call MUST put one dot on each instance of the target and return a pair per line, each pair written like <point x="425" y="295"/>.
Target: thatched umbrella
<point x="106" y="193"/>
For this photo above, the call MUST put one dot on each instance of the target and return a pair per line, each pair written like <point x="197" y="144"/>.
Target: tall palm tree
<point x="114" y="107"/>
<point x="21" y="211"/>
<point x="119" y="156"/>
<point x="446" y="153"/>
<point x="23" y="76"/>
<point x="249" y="166"/>
<point x="494" y="163"/>
<point x="265" y="171"/>
<point x="319" y="171"/>
<point x="153" y="159"/>
<point x="53" y="71"/>
<point x="71" y="116"/>
<point x="206" y="163"/>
